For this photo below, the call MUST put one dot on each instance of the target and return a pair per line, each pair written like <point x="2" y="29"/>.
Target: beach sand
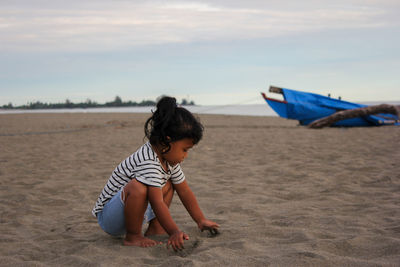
<point x="283" y="194"/>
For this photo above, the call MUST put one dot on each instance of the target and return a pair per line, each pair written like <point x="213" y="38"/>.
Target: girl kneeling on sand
<point x="146" y="180"/>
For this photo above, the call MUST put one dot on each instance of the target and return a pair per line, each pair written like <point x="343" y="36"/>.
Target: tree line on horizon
<point x="88" y="104"/>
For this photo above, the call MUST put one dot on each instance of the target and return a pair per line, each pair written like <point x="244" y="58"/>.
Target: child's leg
<point x="155" y="227"/>
<point x="135" y="198"/>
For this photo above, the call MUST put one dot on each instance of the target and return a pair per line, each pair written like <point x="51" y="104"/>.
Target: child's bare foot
<point x="139" y="241"/>
<point x="155" y="228"/>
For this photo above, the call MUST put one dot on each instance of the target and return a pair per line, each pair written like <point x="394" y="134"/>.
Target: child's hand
<point x="176" y="240"/>
<point x="210" y="226"/>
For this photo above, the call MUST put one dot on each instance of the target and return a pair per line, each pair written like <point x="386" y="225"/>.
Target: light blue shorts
<point x="112" y="220"/>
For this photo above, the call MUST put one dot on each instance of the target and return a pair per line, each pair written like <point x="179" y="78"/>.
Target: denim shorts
<point x="112" y="220"/>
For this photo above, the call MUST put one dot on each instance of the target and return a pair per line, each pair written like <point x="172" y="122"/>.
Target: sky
<point x="211" y="52"/>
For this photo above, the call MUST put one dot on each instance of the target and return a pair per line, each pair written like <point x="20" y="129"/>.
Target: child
<point x="146" y="181"/>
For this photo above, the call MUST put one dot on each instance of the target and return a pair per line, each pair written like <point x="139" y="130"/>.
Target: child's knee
<point x="134" y="188"/>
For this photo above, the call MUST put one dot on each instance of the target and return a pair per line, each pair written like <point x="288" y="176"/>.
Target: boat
<point x="308" y="107"/>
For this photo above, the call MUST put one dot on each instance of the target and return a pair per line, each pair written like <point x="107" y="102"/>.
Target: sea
<point x="244" y="110"/>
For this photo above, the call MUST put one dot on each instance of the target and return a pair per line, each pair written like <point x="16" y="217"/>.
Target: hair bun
<point x="167" y="103"/>
<point x="166" y="107"/>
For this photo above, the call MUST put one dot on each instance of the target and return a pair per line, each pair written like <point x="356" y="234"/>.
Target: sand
<point x="283" y="194"/>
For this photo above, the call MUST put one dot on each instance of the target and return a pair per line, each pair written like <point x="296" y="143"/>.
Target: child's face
<point x="179" y="151"/>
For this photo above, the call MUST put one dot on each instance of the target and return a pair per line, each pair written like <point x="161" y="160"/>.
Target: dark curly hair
<point x="170" y="123"/>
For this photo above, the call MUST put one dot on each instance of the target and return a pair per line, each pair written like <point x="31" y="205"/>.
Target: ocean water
<point x="245" y="110"/>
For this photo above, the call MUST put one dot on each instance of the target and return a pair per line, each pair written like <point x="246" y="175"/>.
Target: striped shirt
<point x="144" y="166"/>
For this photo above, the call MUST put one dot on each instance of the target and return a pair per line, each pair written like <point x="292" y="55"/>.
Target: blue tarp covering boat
<point x="308" y="107"/>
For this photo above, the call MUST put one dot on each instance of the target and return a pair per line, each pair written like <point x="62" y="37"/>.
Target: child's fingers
<point x="177" y="244"/>
<point x="214" y="225"/>
<point x="173" y="245"/>
<point x="180" y="242"/>
<point x="185" y="236"/>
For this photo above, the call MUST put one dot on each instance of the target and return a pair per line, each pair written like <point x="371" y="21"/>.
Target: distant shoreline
<point x="87" y="104"/>
<point x="244" y="110"/>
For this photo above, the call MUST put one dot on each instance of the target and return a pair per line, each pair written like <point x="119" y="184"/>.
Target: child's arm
<point x="164" y="217"/>
<point x="189" y="201"/>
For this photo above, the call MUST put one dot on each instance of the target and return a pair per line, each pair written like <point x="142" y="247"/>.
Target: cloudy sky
<point x="211" y="52"/>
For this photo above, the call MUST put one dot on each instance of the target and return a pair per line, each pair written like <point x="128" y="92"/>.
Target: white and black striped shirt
<point x="144" y="166"/>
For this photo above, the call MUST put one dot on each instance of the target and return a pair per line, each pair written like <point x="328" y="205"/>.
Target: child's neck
<point x="163" y="161"/>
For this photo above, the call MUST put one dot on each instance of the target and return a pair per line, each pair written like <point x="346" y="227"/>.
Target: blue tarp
<point x="307" y="107"/>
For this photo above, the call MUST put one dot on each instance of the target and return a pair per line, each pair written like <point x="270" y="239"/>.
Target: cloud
<point x="103" y="25"/>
